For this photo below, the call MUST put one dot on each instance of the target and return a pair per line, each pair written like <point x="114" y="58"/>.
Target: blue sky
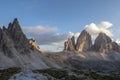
<point x="61" y="16"/>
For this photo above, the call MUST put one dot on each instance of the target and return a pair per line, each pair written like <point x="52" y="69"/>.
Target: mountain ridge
<point x="103" y="43"/>
<point x="18" y="51"/>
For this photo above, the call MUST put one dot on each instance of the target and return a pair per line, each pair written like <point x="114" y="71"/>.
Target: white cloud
<point x="53" y="38"/>
<point x="39" y="29"/>
<point x="105" y="24"/>
<point x="64" y="37"/>
<point x="95" y="29"/>
<point x="117" y="41"/>
<point x="48" y="35"/>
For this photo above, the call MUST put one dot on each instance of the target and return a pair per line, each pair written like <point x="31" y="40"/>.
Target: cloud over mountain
<point x="95" y="29"/>
<point x="48" y="35"/>
<point x="53" y="38"/>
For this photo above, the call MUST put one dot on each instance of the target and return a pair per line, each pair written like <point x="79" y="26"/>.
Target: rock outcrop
<point x="34" y="44"/>
<point x="103" y="43"/>
<point x="69" y="45"/>
<point x="84" y="42"/>
<point x="73" y="41"/>
<point x="18" y="37"/>
<point x="6" y="43"/>
<point x="18" y="51"/>
<point x="115" y="47"/>
<point x="14" y="38"/>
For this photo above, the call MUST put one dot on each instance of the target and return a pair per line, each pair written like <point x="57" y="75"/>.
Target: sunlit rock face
<point x="84" y="42"/>
<point x="34" y="44"/>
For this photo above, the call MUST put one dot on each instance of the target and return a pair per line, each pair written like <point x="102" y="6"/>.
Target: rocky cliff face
<point x="13" y="37"/>
<point x="69" y="45"/>
<point x="115" y="47"/>
<point x="18" y="51"/>
<point x="6" y="43"/>
<point x="16" y="34"/>
<point x="34" y="44"/>
<point x="84" y="42"/>
<point x="103" y="43"/>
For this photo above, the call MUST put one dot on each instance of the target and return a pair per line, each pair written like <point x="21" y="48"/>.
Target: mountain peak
<point x="9" y="25"/>
<point x="15" y="21"/>
<point x="84" y="41"/>
<point x="16" y="35"/>
<point x="104" y="37"/>
<point x="102" y="34"/>
<point x="101" y="42"/>
<point x="4" y="28"/>
<point x="14" y="26"/>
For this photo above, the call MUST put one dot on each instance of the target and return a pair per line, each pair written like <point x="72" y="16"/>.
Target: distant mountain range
<point x="18" y="51"/>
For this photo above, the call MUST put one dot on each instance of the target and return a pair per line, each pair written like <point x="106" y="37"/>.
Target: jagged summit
<point x="15" y="21"/>
<point x="83" y="43"/>
<point x="16" y="50"/>
<point x="103" y="43"/>
<point x="14" y="25"/>
<point x="15" y="36"/>
<point x="69" y="45"/>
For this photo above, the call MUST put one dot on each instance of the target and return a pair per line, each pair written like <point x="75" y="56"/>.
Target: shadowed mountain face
<point x="13" y="37"/>
<point x="18" y="51"/>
